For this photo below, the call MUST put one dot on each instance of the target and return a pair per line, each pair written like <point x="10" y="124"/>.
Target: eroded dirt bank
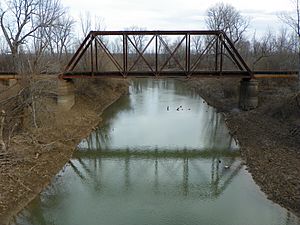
<point x="36" y="155"/>
<point x="269" y="136"/>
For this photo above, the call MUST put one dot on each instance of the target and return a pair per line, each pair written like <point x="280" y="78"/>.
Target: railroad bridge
<point x="160" y="54"/>
<point x="193" y="53"/>
<point x="148" y="53"/>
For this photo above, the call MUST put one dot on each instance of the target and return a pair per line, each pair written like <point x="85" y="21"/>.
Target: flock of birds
<point x="178" y="108"/>
<point x="181" y="108"/>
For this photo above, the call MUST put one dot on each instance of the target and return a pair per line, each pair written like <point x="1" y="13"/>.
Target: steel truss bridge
<point x="193" y="53"/>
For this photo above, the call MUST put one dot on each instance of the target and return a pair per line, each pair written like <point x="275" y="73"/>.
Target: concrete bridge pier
<point x="66" y="95"/>
<point x="248" y="98"/>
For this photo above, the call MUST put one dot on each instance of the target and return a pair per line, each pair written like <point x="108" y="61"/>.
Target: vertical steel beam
<point x="217" y="55"/>
<point x="156" y="55"/>
<point x="124" y="54"/>
<point x="92" y="59"/>
<point x="188" y="53"/>
<point x="221" y="56"/>
<point x="96" y="56"/>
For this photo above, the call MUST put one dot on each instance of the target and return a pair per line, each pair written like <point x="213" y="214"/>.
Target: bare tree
<point x="197" y="43"/>
<point x="59" y="36"/>
<point x="293" y="21"/>
<point x="138" y="40"/>
<point x="3" y="45"/>
<point x="21" y="19"/>
<point x="262" y="48"/>
<point x="117" y="45"/>
<point x="225" y="17"/>
<point x="27" y="24"/>
<point x="87" y="23"/>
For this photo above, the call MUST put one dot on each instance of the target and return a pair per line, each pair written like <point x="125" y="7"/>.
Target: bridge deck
<point x="202" y="74"/>
<point x="176" y="74"/>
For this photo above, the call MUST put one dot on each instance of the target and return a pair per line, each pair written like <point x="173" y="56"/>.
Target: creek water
<point x="161" y="156"/>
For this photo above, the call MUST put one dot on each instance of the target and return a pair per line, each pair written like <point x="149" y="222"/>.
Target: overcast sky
<point x="176" y="14"/>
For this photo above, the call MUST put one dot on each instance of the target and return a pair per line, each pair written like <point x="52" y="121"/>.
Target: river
<point x="160" y="156"/>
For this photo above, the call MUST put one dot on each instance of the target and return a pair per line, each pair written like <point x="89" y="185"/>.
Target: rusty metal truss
<point x="148" y="53"/>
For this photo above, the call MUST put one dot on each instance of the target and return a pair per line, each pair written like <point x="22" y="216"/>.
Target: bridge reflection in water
<point x="153" y="188"/>
<point x="167" y="172"/>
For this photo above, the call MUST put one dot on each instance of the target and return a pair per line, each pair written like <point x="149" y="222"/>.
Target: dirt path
<point x="269" y="136"/>
<point x="37" y="155"/>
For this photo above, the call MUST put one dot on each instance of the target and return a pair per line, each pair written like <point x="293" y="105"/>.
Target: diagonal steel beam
<point x="109" y="54"/>
<point x="208" y="47"/>
<point x="172" y="53"/>
<point x="232" y="55"/>
<point x="237" y="54"/>
<point x="141" y="54"/>
<point x="79" y="53"/>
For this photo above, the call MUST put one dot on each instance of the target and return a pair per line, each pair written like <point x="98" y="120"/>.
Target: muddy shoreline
<point x="269" y="136"/>
<point x="37" y="155"/>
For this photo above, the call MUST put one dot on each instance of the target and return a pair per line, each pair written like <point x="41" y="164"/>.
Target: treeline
<point x="273" y="51"/>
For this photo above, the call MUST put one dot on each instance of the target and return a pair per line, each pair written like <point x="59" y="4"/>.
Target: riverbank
<point x="36" y="155"/>
<point x="269" y="136"/>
